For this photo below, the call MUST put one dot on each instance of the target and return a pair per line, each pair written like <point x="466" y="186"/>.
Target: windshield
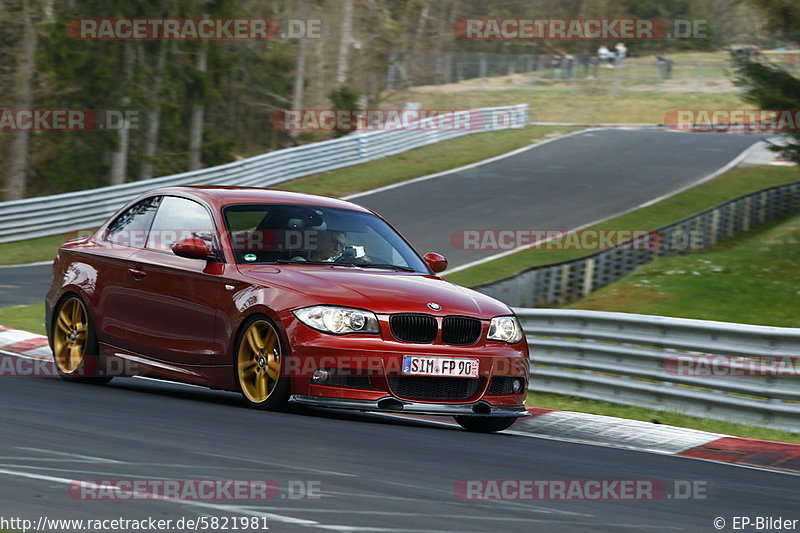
<point x="302" y="234"/>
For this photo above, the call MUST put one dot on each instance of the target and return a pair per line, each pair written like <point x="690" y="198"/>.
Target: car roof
<point x="219" y="196"/>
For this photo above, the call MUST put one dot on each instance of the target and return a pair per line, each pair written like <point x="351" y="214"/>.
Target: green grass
<point x="752" y="278"/>
<point x="401" y="167"/>
<point x="596" y="407"/>
<point x="30" y="251"/>
<point x="730" y="185"/>
<point x="585" y="106"/>
<point x="24" y="317"/>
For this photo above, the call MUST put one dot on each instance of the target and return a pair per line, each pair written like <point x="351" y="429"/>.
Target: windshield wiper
<point x="385" y="265"/>
<point x="339" y="263"/>
<point x="290" y="262"/>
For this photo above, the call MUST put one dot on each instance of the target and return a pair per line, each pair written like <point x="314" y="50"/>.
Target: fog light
<point x="517" y="384"/>
<point x="320" y="376"/>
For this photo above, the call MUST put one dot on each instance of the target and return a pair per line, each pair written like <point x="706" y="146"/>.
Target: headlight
<point x="338" y="320"/>
<point x="506" y="329"/>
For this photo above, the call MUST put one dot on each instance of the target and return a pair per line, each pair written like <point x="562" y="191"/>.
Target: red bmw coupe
<point x="283" y="297"/>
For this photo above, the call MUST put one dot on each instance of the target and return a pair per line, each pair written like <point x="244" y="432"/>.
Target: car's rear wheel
<point x="481" y="424"/>
<point x="259" y="361"/>
<point x="75" y="349"/>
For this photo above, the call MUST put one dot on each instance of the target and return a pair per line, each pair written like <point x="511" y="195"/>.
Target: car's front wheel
<point x="259" y="360"/>
<point x="482" y="424"/>
<point x="75" y="349"/>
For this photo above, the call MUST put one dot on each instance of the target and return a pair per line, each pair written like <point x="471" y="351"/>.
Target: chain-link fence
<point x="687" y="72"/>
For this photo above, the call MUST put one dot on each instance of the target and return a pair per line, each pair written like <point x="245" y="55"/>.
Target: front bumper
<point x="390" y="404"/>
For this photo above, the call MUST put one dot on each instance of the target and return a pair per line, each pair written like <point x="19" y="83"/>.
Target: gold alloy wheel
<point x="259" y="361"/>
<point x="69" y="335"/>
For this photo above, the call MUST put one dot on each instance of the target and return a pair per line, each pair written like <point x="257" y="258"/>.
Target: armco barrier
<point x="561" y="283"/>
<point x="51" y="215"/>
<point x="631" y="359"/>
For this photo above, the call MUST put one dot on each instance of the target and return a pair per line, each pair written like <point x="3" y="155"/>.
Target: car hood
<point x="380" y="291"/>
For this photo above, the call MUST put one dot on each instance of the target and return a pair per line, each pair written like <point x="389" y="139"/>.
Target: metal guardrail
<point x="51" y="215"/>
<point x="561" y="283"/>
<point x="646" y="361"/>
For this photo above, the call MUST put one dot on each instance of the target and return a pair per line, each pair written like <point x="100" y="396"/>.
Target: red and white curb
<point x="659" y="438"/>
<point x="24" y="343"/>
<point x="581" y="428"/>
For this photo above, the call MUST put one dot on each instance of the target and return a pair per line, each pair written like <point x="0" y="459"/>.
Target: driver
<point x="330" y="245"/>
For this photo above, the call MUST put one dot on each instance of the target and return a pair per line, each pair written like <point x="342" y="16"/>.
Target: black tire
<point x="258" y="365"/>
<point x="485" y="424"/>
<point x="75" y="350"/>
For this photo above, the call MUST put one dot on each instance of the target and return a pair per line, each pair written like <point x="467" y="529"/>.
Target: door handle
<point x="137" y="273"/>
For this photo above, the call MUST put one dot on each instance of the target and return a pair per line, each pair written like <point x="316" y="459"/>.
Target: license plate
<point x="440" y="366"/>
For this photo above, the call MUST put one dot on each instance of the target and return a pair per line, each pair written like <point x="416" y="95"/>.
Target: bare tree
<point x="345" y="43"/>
<point x="198" y="112"/>
<point x="300" y="72"/>
<point x="118" y="170"/>
<point x="17" y="176"/>
<point x="150" y="142"/>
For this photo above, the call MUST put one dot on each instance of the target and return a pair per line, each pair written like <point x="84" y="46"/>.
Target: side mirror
<point x="435" y="262"/>
<point x="191" y="249"/>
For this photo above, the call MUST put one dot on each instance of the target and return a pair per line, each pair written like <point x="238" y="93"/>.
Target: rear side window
<point x="131" y="227"/>
<point x="180" y="218"/>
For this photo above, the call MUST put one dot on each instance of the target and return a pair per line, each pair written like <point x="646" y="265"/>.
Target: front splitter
<point x="390" y="404"/>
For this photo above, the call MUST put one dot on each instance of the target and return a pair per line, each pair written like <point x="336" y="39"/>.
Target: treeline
<point x="196" y="103"/>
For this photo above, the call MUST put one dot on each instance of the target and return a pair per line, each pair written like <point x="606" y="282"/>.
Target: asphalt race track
<point x="372" y="475"/>
<point x="376" y="474"/>
<point x="24" y="285"/>
<point x="557" y="186"/>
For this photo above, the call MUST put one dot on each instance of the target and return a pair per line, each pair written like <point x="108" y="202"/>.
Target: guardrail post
<point x="714" y="227"/>
<point x="588" y="276"/>
<point x="361" y="144"/>
<point x="563" y="284"/>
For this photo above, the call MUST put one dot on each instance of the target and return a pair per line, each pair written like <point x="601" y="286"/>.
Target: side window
<point x="179" y="218"/>
<point x="131" y="227"/>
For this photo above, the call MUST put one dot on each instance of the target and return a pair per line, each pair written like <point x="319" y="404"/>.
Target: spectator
<point x="569" y="61"/>
<point x="622" y="51"/>
<point x="556" y="62"/>
<point x="603" y="55"/>
<point x="664" y="67"/>
<point x="586" y="62"/>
